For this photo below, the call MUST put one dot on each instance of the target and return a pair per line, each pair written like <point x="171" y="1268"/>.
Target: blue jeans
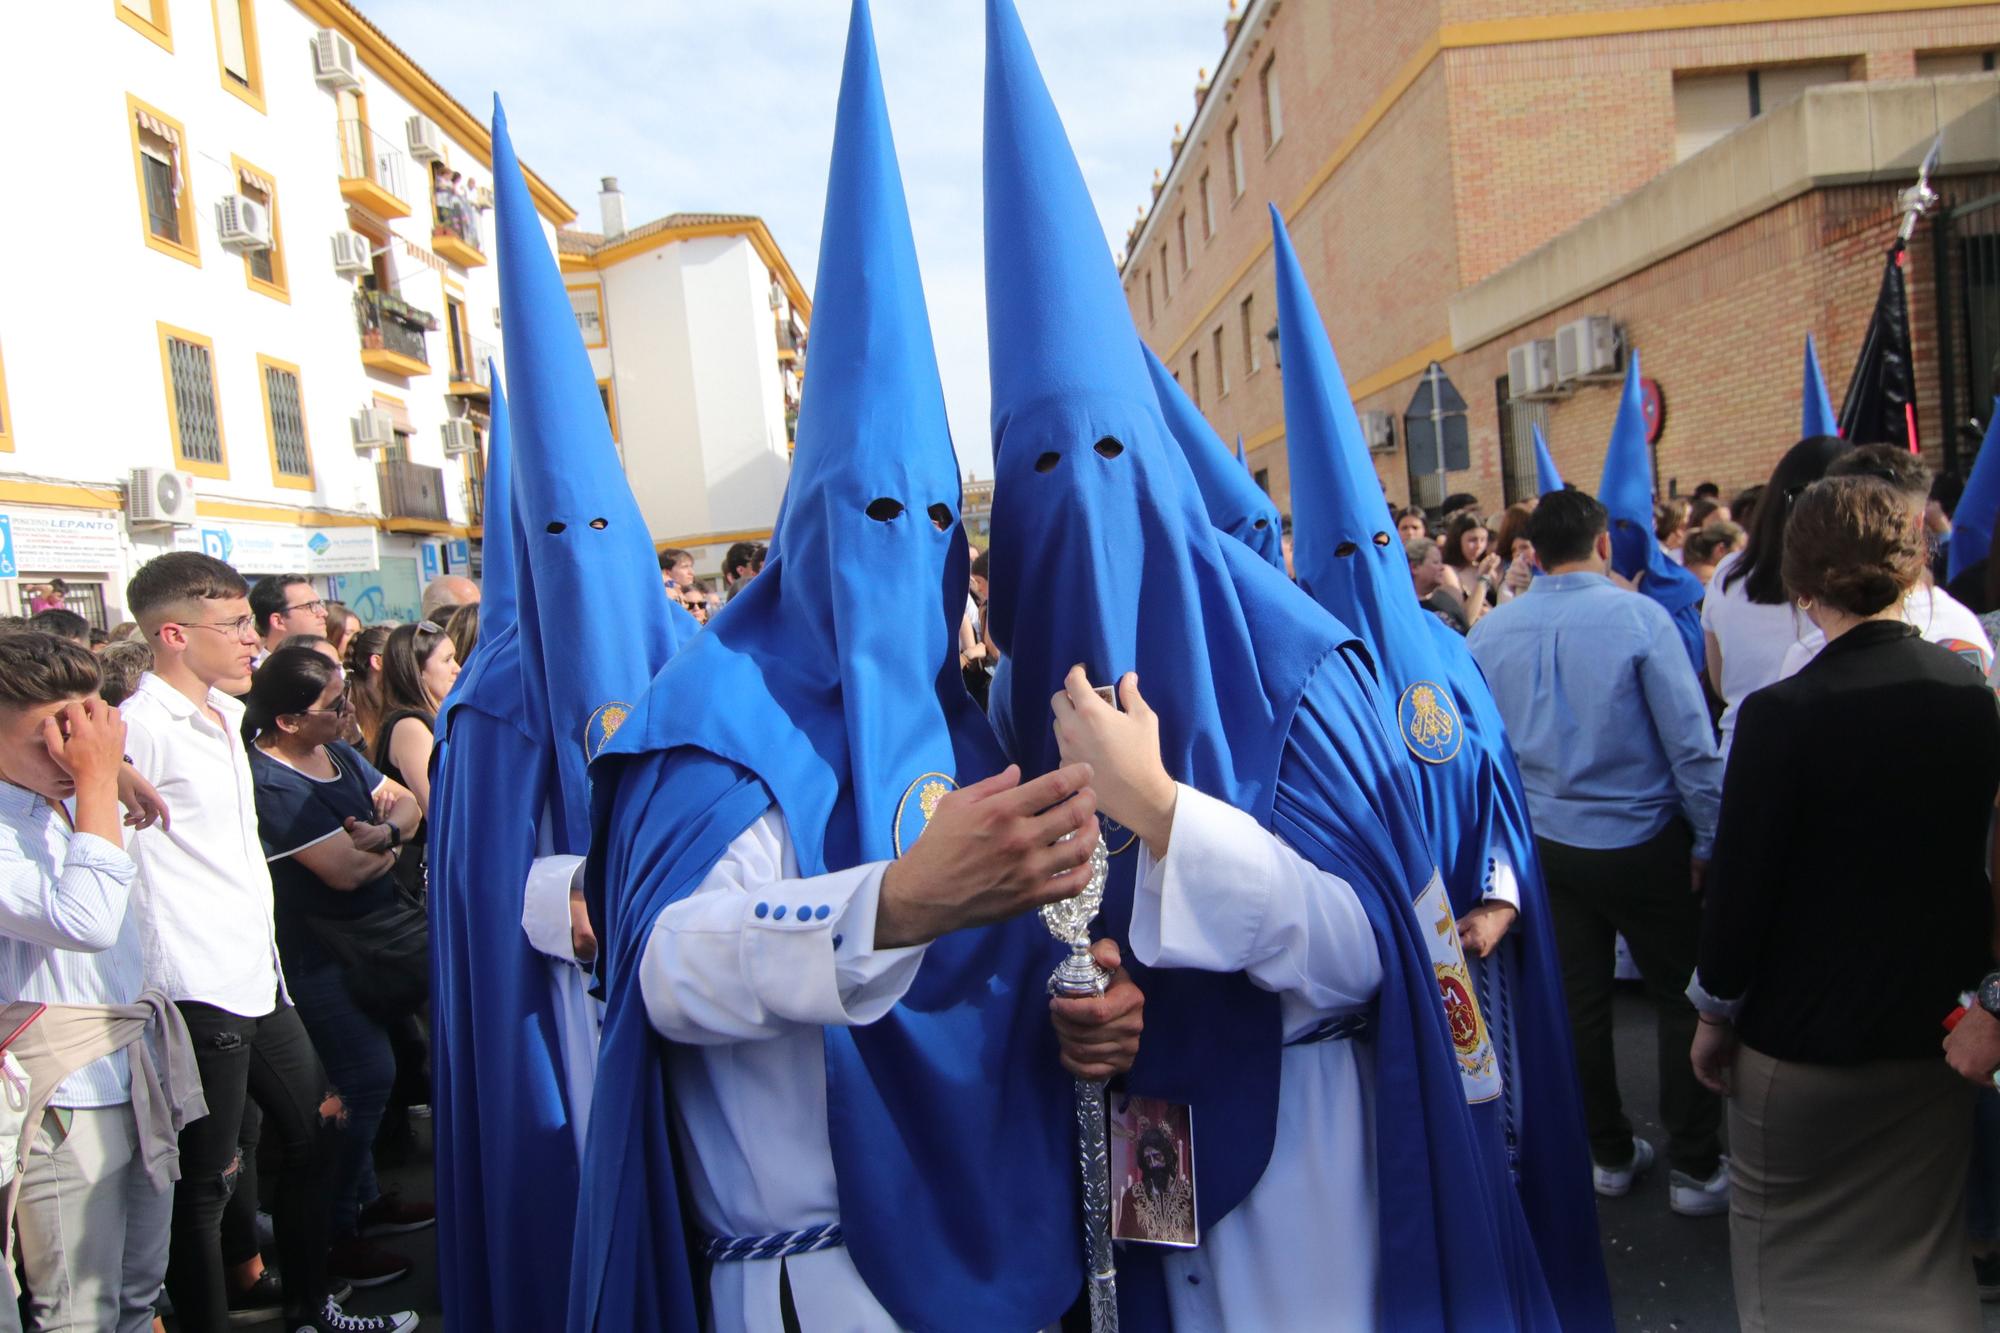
<point x="361" y="1066"/>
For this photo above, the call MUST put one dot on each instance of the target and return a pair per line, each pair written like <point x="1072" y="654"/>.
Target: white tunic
<point x="1301" y="1250"/>
<point x="579" y="1016"/>
<point x="742" y="974"/>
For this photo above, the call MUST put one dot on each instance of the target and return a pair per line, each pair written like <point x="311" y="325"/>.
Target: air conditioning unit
<point x="1379" y="429"/>
<point x="426" y="140"/>
<point x="244" y="223"/>
<point x="352" y="253"/>
<point x="1586" y="347"/>
<point x="160" y="496"/>
<point x="1531" y="368"/>
<point x="334" y="61"/>
<point x="459" y="438"/>
<point x="373" y="429"/>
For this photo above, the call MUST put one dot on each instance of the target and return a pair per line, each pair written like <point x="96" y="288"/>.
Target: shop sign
<point x="269" y="548"/>
<point x="57" y="539"/>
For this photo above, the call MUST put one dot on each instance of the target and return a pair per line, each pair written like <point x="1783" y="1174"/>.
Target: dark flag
<point x="1881" y="406"/>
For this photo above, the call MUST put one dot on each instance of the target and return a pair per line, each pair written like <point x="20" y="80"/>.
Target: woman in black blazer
<point x="1848" y="907"/>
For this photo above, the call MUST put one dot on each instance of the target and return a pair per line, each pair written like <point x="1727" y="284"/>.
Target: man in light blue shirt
<point x="1623" y="783"/>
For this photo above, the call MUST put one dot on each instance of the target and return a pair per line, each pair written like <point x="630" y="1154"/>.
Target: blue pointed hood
<point x="1973" y="521"/>
<point x="1546" y="477"/>
<point x="1626" y="491"/>
<point x="832" y="680"/>
<point x="1815" y="408"/>
<point x="595" y="622"/>
<point x="491" y="679"/>
<point x="1345" y="551"/>
<point x="1236" y="504"/>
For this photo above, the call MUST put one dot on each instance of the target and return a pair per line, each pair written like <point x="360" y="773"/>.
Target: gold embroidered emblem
<point x="1429" y="721"/>
<point x="602" y="726"/>
<point x="919" y="802"/>
<point x="928" y="801"/>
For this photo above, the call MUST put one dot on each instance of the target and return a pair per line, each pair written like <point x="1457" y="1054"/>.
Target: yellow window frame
<point x="279" y="288"/>
<point x="603" y="319"/>
<point x="200" y="467"/>
<point x="188" y="249"/>
<point x="266" y="364"/>
<point x="253" y="61"/>
<point x="159" y="28"/>
<point x="609" y="392"/>
<point x="6" y="412"/>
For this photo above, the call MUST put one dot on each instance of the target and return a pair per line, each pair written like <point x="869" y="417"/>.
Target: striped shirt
<point x="65" y="936"/>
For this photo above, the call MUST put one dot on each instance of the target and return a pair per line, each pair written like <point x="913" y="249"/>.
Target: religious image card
<point x="1152" y="1171"/>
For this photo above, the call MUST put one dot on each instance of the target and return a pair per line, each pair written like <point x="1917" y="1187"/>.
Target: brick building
<point x="1465" y="177"/>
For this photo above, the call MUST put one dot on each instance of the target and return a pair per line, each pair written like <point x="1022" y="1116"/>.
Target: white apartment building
<point x="696" y="327"/>
<point x="247" y="307"/>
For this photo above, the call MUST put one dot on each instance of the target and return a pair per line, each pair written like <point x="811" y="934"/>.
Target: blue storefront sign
<point x="8" y="567"/>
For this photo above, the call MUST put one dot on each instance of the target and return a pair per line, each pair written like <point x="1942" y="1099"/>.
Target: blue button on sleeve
<point x="820" y="912"/>
<point x="764" y="910"/>
<point x="778" y="913"/>
<point x="805" y="912"/>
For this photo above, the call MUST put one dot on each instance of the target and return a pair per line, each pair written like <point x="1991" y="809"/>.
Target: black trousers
<point x="269" y="1060"/>
<point x="1642" y="893"/>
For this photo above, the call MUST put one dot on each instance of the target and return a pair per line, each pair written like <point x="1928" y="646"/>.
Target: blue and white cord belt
<point x="1341" y="1027"/>
<point x="778" y="1245"/>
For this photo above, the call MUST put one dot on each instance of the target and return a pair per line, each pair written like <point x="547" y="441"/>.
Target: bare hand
<point x="88" y="742"/>
<point x="1629" y="585"/>
<point x="582" y="939"/>
<point x="1123" y="751"/>
<point x="1481" y="929"/>
<point x="1714" y="1055"/>
<point x="1489" y="564"/>
<point x="1100" y="1033"/>
<point x="1973" y="1047"/>
<point x="991" y="851"/>
<point x="367" y="837"/>
<point x="143" y="806"/>
<point x="1520" y="573"/>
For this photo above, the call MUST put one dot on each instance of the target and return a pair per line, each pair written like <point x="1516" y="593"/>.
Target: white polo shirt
<point x="204" y="893"/>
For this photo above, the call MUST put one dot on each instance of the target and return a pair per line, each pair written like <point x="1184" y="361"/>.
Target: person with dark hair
<point x="1670" y="525"/>
<point x="1743" y="505"/>
<point x="363" y="661"/>
<point x="677" y="568"/>
<point x="1471" y="570"/>
<point x="1457" y="503"/>
<point x="1707" y="490"/>
<point x="49" y="598"/>
<point x="1622" y="780"/>
<point x="741" y="563"/>
<point x="419" y="664"/>
<point x="1828" y="960"/>
<point x="1707" y="545"/>
<point x="1703" y="510"/>
<point x="1516" y="552"/>
<point x="121" y="665"/>
<point x="331" y="828"/>
<point x="286" y="604"/>
<point x="63" y="623"/>
<point x="341" y="624"/>
<point x="204" y="902"/>
<point x="1427" y="571"/>
<point x="1746" y="619"/>
<point x="98" y="638"/>
<point x="1935" y="613"/>
<point x="94" y="1195"/>
<point x="1412" y="523"/>
<point x="461" y="625"/>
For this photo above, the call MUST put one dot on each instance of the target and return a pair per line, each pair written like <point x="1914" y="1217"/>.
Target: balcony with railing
<point x="455" y="222"/>
<point x="392" y="333"/>
<point x="472" y="376"/>
<point x="374" y="174"/>
<point x="412" y="493"/>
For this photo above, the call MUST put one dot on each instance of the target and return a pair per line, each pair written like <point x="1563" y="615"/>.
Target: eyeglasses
<point x="236" y="628"/>
<point x="316" y="604"/>
<point x="340" y="706"/>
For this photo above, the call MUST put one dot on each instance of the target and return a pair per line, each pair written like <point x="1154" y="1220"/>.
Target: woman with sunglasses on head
<point x="331" y="826"/>
<point x="363" y="660"/>
<point x="419" y="664"/>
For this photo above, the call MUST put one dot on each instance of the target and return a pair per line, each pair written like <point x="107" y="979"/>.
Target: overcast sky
<point x="727" y="106"/>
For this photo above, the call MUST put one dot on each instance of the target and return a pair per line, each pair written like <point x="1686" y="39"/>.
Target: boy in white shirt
<point x="204" y="903"/>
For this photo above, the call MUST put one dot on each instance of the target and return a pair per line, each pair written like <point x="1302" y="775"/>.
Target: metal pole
<point x="1079" y="975"/>
<point x="1434" y="374"/>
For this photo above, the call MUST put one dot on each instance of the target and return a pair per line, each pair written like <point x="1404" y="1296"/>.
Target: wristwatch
<point x="1989" y="993"/>
<point x="395" y="836"/>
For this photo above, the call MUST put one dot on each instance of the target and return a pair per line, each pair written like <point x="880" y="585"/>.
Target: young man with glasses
<point x="205" y="911"/>
<point x="284" y="605"/>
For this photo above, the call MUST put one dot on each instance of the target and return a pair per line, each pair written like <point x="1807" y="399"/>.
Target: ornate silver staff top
<point x="1069" y="921"/>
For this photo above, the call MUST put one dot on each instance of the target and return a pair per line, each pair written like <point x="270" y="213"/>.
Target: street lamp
<point x="1276" y="359"/>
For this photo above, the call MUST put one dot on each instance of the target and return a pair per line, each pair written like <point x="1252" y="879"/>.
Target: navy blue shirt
<point x="295" y="811"/>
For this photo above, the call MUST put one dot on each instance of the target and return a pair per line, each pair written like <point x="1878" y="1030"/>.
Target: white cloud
<point x="727" y="106"/>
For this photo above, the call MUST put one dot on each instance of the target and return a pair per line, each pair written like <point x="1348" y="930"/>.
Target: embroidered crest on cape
<point x="1429" y="722"/>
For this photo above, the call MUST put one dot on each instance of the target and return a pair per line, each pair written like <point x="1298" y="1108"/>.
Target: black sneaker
<point x="333" y="1319"/>
<point x="261" y="1300"/>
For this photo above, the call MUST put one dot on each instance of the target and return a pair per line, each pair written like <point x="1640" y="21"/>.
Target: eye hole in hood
<point x="599" y="524"/>
<point x="1047" y="462"/>
<point x="883" y="509"/>
<point x="1345" y="549"/>
<point x="558" y="527"/>
<point x="1381" y="539"/>
<point x="1261" y="524"/>
<point x="1108" y="448"/>
<point x="940" y="516"/>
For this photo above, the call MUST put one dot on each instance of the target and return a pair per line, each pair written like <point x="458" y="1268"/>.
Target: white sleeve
<point x="757" y="952"/>
<point x="1503" y="885"/>
<point x="545" y="905"/>
<point x="1231" y="897"/>
<point x="1810" y="641"/>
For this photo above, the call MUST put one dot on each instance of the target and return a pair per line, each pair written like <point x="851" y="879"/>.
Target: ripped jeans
<point x="271" y="1061"/>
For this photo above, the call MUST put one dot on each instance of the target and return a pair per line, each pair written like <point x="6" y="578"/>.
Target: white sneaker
<point x="333" y="1319"/>
<point x="1616" y="1182"/>
<point x="1699" y="1198"/>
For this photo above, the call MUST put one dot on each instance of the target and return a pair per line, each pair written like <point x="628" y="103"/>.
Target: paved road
<point x="1668" y="1274"/>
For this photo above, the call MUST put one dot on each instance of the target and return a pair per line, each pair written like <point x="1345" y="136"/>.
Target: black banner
<point x="1881" y="404"/>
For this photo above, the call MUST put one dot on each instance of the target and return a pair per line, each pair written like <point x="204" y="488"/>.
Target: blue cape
<point x="1265" y="701"/>
<point x="1816" y="416"/>
<point x="849" y="714"/>
<point x="1547" y="478"/>
<point x="1347" y="559"/>
<point x="1626" y="491"/>
<point x="1972" y="522"/>
<point x="1235" y="503"/>
<point x="499" y="1094"/>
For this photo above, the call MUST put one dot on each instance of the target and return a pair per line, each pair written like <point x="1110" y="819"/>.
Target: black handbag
<point x="384" y="956"/>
